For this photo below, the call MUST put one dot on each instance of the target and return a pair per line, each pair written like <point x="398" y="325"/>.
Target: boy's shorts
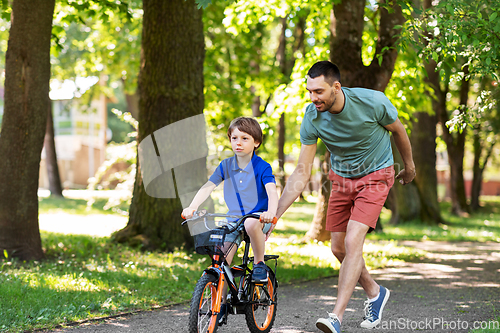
<point x="358" y="199"/>
<point x="235" y="236"/>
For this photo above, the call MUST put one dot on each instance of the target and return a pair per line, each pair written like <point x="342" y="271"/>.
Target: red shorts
<point x="358" y="199"/>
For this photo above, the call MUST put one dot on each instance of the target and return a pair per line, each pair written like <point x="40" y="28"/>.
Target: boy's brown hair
<point x="247" y="125"/>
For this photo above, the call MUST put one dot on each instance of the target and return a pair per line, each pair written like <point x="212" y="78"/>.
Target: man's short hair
<point x="326" y="68"/>
<point x="247" y="125"/>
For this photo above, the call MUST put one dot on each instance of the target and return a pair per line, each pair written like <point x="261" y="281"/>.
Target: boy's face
<point x="242" y="143"/>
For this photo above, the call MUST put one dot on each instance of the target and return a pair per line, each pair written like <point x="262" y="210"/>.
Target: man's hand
<point x="266" y="217"/>
<point x="405" y="176"/>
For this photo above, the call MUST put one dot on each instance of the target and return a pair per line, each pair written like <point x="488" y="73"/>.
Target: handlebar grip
<point x="274" y="221"/>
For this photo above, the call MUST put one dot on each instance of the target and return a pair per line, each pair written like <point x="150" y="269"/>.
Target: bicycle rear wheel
<point x="201" y="315"/>
<point x="261" y="312"/>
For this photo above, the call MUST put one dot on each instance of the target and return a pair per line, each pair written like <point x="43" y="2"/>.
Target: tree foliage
<point x="455" y="29"/>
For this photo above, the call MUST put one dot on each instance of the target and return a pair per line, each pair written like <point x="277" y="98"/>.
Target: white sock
<point x="374" y="298"/>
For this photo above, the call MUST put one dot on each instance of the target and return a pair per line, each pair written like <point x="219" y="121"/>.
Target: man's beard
<point x="328" y="106"/>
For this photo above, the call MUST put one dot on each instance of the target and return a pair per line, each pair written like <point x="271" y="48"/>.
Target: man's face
<point x="321" y="93"/>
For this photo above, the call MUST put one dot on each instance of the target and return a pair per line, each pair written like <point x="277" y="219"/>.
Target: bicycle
<point x="258" y="301"/>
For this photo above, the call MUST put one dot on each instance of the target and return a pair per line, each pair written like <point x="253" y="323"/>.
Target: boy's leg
<point x="256" y="231"/>
<point x="257" y="238"/>
<point x="231" y="253"/>
<point x="229" y="259"/>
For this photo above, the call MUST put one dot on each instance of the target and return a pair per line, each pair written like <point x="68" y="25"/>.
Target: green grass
<point x="53" y="205"/>
<point x="296" y="221"/>
<point x="87" y="277"/>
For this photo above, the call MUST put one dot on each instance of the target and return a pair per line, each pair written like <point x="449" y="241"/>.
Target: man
<point x="354" y="124"/>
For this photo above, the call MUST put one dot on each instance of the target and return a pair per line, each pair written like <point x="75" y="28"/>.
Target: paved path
<point x="457" y="284"/>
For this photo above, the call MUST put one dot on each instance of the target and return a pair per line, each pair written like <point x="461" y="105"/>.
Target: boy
<point x="249" y="187"/>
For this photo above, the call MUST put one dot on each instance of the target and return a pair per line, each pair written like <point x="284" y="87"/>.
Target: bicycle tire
<point x="201" y="319"/>
<point x="255" y="321"/>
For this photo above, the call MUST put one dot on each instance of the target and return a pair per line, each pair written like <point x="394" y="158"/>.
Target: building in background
<point x="80" y="131"/>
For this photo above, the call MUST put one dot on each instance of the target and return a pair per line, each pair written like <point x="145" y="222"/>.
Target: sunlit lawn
<point x="87" y="277"/>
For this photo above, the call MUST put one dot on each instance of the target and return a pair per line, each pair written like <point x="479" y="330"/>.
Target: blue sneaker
<point x="373" y="310"/>
<point x="259" y="273"/>
<point x="220" y="316"/>
<point x="330" y="324"/>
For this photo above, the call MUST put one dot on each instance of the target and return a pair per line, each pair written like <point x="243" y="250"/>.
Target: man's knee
<point x="353" y="244"/>
<point x="337" y="246"/>
<point x="339" y="253"/>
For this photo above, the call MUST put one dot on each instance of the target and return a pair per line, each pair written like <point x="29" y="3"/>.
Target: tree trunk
<point x="283" y="63"/>
<point x="281" y="151"/>
<point x="170" y="89"/>
<point x="457" y="183"/>
<point x="477" y="178"/>
<point x="455" y="144"/>
<point x="27" y="75"/>
<point x="55" y="186"/>
<point x="345" y="48"/>
<point x="318" y="230"/>
<point x="456" y="151"/>
<point x="133" y="104"/>
<point x="403" y="200"/>
<point x="423" y="141"/>
<point x="478" y="167"/>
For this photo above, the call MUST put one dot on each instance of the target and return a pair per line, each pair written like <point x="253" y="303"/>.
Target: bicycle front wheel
<point x="261" y="311"/>
<point x="201" y="315"/>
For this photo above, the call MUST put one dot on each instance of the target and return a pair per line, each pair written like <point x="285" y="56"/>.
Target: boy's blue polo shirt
<point x="250" y="183"/>
<point x="357" y="140"/>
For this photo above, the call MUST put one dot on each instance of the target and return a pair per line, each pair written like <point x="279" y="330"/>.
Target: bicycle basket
<point x="209" y="234"/>
<point x="211" y="242"/>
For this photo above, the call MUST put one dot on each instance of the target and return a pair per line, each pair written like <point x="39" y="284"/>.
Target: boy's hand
<point x="188" y="212"/>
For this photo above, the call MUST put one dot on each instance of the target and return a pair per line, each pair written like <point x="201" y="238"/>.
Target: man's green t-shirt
<point x="357" y="141"/>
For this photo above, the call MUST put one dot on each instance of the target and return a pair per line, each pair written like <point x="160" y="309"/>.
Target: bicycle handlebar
<point x="203" y="213"/>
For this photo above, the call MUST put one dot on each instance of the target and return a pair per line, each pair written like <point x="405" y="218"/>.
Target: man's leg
<point x="352" y="265"/>
<point x="365" y="280"/>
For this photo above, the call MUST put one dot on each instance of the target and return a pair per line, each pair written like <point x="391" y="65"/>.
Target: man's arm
<point x="272" y="205"/>
<point x="398" y="131"/>
<point x="298" y="179"/>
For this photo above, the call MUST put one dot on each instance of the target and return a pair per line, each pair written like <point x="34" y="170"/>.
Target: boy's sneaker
<point x="259" y="273"/>
<point x="220" y="316"/>
<point x="373" y="310"/>
<point x="330" y="324"/>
